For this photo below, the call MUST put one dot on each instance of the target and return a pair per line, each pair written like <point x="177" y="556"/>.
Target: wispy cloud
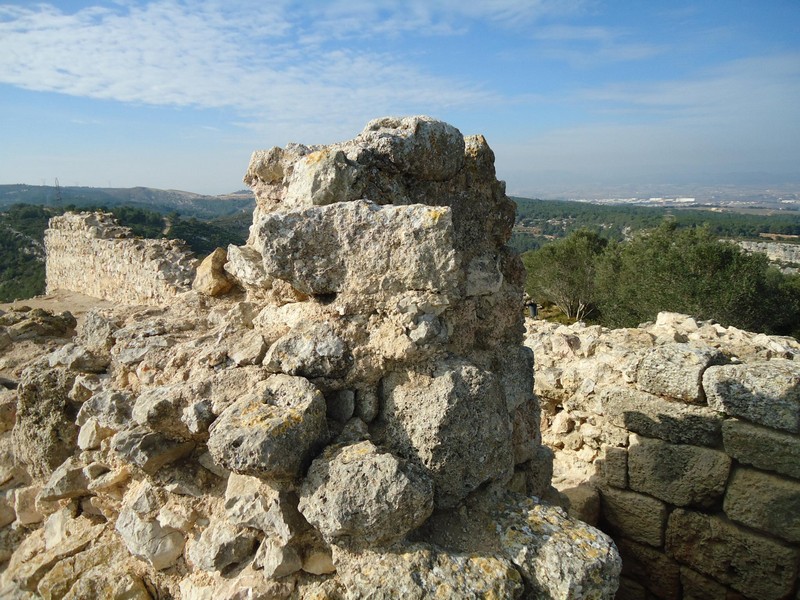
<point x="192" y="54"/>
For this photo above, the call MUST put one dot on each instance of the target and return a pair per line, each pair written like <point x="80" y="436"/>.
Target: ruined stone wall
<point x="682" y="440"/>
<point x="91" y="254"/>
<point x="341" y="408"/>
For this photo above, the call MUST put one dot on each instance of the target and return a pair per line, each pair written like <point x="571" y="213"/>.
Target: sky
<point x="588" y="94"/>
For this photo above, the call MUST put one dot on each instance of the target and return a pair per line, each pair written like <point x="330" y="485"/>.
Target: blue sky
<point x="569" y="93"/>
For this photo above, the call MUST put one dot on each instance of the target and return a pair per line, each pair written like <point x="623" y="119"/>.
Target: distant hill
<point x="163" y="201"/>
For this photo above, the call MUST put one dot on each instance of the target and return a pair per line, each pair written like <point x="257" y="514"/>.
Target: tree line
<point x="667" y="268"/>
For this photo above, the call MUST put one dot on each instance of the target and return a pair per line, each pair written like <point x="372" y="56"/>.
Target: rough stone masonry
<point x="341" y="408"/>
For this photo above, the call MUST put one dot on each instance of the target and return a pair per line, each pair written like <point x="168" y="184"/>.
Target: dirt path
<point x="59" y="301"/>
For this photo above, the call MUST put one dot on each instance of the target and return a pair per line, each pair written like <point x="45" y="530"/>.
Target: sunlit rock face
<point x="350" y="415"/>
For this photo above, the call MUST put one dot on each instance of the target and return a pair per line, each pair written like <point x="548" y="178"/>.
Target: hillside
<point x="22" y="229"/>
<point x="163" y="201"/>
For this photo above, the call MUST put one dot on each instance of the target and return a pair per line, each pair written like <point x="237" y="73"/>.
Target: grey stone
<point x="149" y="450"/>
<point x="360" y="495"/>
<point x="67" y="481"/>
<point x="45" y="433"/>
<point x="360" y="248"/>
<point x="245" y="265"/>
<point x="455" y="423"/>
<point x="676" y="370"/>
<point x="147" y="539"/>
<point x="762" y="447"/>
<point x="161" y="408"/>
<point x="614" y="466"/>
<point x="111" y="409"/>
<point x="421" y="571"/>
<point x="767" y="392"/>
<point x="78" y="358"/>
<point x="656" y="571"/>
<point x="367" y="405"/>
<point x="277" y="559"/>
<point x="765" y="502"/>
<point x="749" y="563"/>
<point x="652" y="416"/>
<point x="221" y="545"/>
<point x="635" y="516"/>
<point x="251" y="502"/>
<point x="247" y="348"/>
<point x="679" y="474"/>
<point x="311" y="351"/>
<point x="273" y="434"/>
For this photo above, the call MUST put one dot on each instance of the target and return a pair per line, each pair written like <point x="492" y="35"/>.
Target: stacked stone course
<point x="682" y="440"/>
<point x="91" y="254"/>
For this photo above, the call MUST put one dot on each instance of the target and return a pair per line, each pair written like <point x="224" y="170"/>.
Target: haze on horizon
<point x="570" y="94"/>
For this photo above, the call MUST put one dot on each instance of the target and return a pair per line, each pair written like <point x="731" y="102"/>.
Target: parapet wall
<point x="682" y="440"/>
<point x="91" y="254"/>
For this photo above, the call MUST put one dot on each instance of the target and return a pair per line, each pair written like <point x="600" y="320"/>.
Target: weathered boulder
<point x="251" y="502"/>
<point x="309" y="351"/>
<point x="273" y="433"/>
<point x="454" y="422"/>
<point x="45" y="432"/>
<point x="677" y="473"/>
<point x="149" y="450"/>
<point x="211" y="278"/>
<point x="767" y="393"/>
<point x="676" y="370"/>
<point x="221" y="545"/>
<point x="360" y="495"/>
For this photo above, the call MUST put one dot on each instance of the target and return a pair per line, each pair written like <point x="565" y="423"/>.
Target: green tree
<point x="564" y="273"/>
<point x="690" y="271"/>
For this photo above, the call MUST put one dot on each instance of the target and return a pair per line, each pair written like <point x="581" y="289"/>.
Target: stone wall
<point x="682" y="440"/>
<point x="341" y="408"/>
<point x="91" y="254"/>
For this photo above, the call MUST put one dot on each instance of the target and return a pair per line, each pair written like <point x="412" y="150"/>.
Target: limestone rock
<point x="636" y="516"/>
<point x="247" y="348"/>
<point x="67" y="481"/>
<point x="659" y="573"/>
<point x="766" y="393"/>
<point x="78" y="358"/>
<point x="775" y="512"/>
<point x="679" y="474"/>
<point x="360" y="249"/>
<point x="110" y="409"/>
<point x="420" y="571"/>
<point x="211" y="278"/>
<point x="676" y="370"/>
<point x="221" y="545"/>
<point x="148" y="450"/>
<point x="313" y="351"/>
<point x="750" y="563"/>
<point x="245" y="265"/>
<point x="653" y="416"/>
<point x="277" y="559"/>
<point x="147" y="539"/>
<point x="455" y="423"/>
<point x="45" y="431"/>
<point x="762" y="447"/>
<point x="357" y="494"/>
<point x="251" y="502"/>
<point x="272" y="435"/>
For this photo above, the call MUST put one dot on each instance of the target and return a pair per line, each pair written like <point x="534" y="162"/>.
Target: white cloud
<point x="216" y="54"/>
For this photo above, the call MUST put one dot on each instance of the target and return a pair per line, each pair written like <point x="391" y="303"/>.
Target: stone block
<point x="635" y="516"/>
<point x="750" y="563"/>
<point x="668" y="420"/>
<point x="650" y="567"/>
<point x="676" y="370"/>
<point x="762" y="447"/>
<point x="699" y="587"/>
<point x="614" y="466"/>
<point x="766" y="392"/>
<point x="678" y="474"/>
<point x="766" y="502"/>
